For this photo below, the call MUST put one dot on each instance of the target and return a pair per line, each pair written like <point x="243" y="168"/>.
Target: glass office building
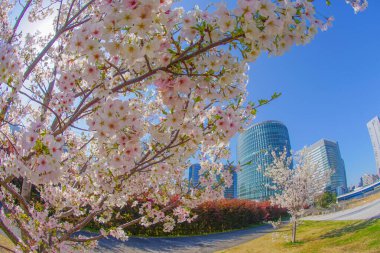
<point x="194" y="174"/>
<point x="254" y="149"/>
<point x="193" y="178"/>
<point x="326" y="154"/>
<point x="231" y="192"/>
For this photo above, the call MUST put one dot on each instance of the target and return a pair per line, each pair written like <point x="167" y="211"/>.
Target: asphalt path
<point x="190" y="244"/>
<point x="367" y="211"/>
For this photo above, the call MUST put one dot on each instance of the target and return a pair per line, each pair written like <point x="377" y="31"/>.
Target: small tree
<point x="296" y="188"/>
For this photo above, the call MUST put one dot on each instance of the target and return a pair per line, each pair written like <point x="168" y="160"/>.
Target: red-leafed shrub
<point x="229" y="214"/>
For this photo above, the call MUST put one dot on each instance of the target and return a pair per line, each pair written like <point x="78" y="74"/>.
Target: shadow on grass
<point x="294" y="244"/>
<point x="349" y="229"/>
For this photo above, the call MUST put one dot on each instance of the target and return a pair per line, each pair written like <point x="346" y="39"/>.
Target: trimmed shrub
<point x="213" y="216"/>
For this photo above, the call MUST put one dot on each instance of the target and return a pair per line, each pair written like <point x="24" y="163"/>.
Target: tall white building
<point x="374" y="133"/>
<point x="369" y="179"/>
<point x="326" y="154"/>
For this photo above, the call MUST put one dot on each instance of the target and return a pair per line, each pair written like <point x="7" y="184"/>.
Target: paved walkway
<point x="368" y="211"/>
<point x="192" y="244"/>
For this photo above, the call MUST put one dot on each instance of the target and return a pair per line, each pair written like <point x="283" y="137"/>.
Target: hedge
<point x="213" y="216"/>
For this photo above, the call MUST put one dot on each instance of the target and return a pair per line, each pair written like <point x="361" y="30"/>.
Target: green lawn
<point x="319" y="236"/>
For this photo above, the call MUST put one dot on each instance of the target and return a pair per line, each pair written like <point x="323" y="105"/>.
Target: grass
<point x="319" y="237"/>
<point x="5" y="244"/>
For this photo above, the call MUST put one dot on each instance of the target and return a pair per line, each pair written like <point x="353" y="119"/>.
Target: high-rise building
<point x="369" y="179"/>
<point x="193" y="178"/>
<point x="231" y="192"/>
<point x="374" y="133"/>
<point x="326" y="154"/>
<point x="254" y="149"/>
<point x="360" y="184"/>
<point x="194" y="174"/>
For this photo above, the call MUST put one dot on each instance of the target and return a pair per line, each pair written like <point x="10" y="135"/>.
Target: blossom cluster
<point x="9" y="72"/>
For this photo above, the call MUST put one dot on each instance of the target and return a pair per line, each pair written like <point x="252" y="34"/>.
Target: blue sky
<point x="330" y="87"/>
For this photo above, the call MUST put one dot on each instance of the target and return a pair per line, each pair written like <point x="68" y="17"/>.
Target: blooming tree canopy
<point x="296" y="188"/>
<point x="106" y="110"/>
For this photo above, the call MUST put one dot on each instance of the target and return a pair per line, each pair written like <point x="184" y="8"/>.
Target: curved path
<point x="192" y="244"/>
<point x="368" y="211"/>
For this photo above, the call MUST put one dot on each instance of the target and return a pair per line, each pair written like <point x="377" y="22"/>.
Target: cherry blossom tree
<point x="105" y="111"/>
<point x="296" y="186"/>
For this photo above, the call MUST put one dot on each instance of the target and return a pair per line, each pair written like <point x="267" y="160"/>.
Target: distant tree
<point x="296" y="188"/>
<point x="326" y="200"/>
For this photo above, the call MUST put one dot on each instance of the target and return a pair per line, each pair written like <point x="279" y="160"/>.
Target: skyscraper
<point x="369" y="179"/>
<point x="326" y="154"/>
<point x="194" y="174"/>
<point x="231" y="192"/>
<point x="374" y="133"/>
<point x="193" y="178"/>
<point x="254" y="150"/>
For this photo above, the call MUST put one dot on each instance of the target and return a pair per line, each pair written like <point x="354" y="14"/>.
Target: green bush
<point x="326" y="200"/>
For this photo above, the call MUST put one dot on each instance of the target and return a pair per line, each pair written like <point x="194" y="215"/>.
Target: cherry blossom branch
<point x="59" y="15"/>
<point x="48" y="96"/>
<point x="43" y="105"/>
<point x="24" y="204"/>
<point x="147" y="63"/>
<point x="19" y="18"/>
<point x="117" y="88"/>
<point x="81" y="147"/>
<point x="69" y="12"/>
<point x="83" y="222"/>
<point x="65" y="28"/>
<point x="165" y="148"/>
<point x="78" y="111"/>
<point x="125" y="225"/>
<point x="141" y="169"/>
<point x="12" y="144"/>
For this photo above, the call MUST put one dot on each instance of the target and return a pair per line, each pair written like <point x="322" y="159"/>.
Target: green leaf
<point x="276" y="95"/>
<point x="197" y="99"/>
<point x="263" y="101"/>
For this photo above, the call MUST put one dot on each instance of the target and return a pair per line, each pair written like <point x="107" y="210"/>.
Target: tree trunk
<point x="26" y="189"/>
<point x="26" y="193"/>
<point x="294" y="231"/>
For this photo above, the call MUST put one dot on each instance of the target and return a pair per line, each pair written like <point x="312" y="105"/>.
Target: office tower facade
<point x="231" y="192"/>
<point x="254" y="149"/>
<point x="369" y="179"/>
<point x="194" y="174"/>
<point x="327" y="155"/>
<point x="193" y="178"/>
<point x="374" y="132"/>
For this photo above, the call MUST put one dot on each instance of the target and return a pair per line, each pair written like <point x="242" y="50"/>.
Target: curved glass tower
<point x="254" y="149"/>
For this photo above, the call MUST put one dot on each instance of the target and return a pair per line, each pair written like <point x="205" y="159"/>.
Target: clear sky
<point x="330" y="87"/>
